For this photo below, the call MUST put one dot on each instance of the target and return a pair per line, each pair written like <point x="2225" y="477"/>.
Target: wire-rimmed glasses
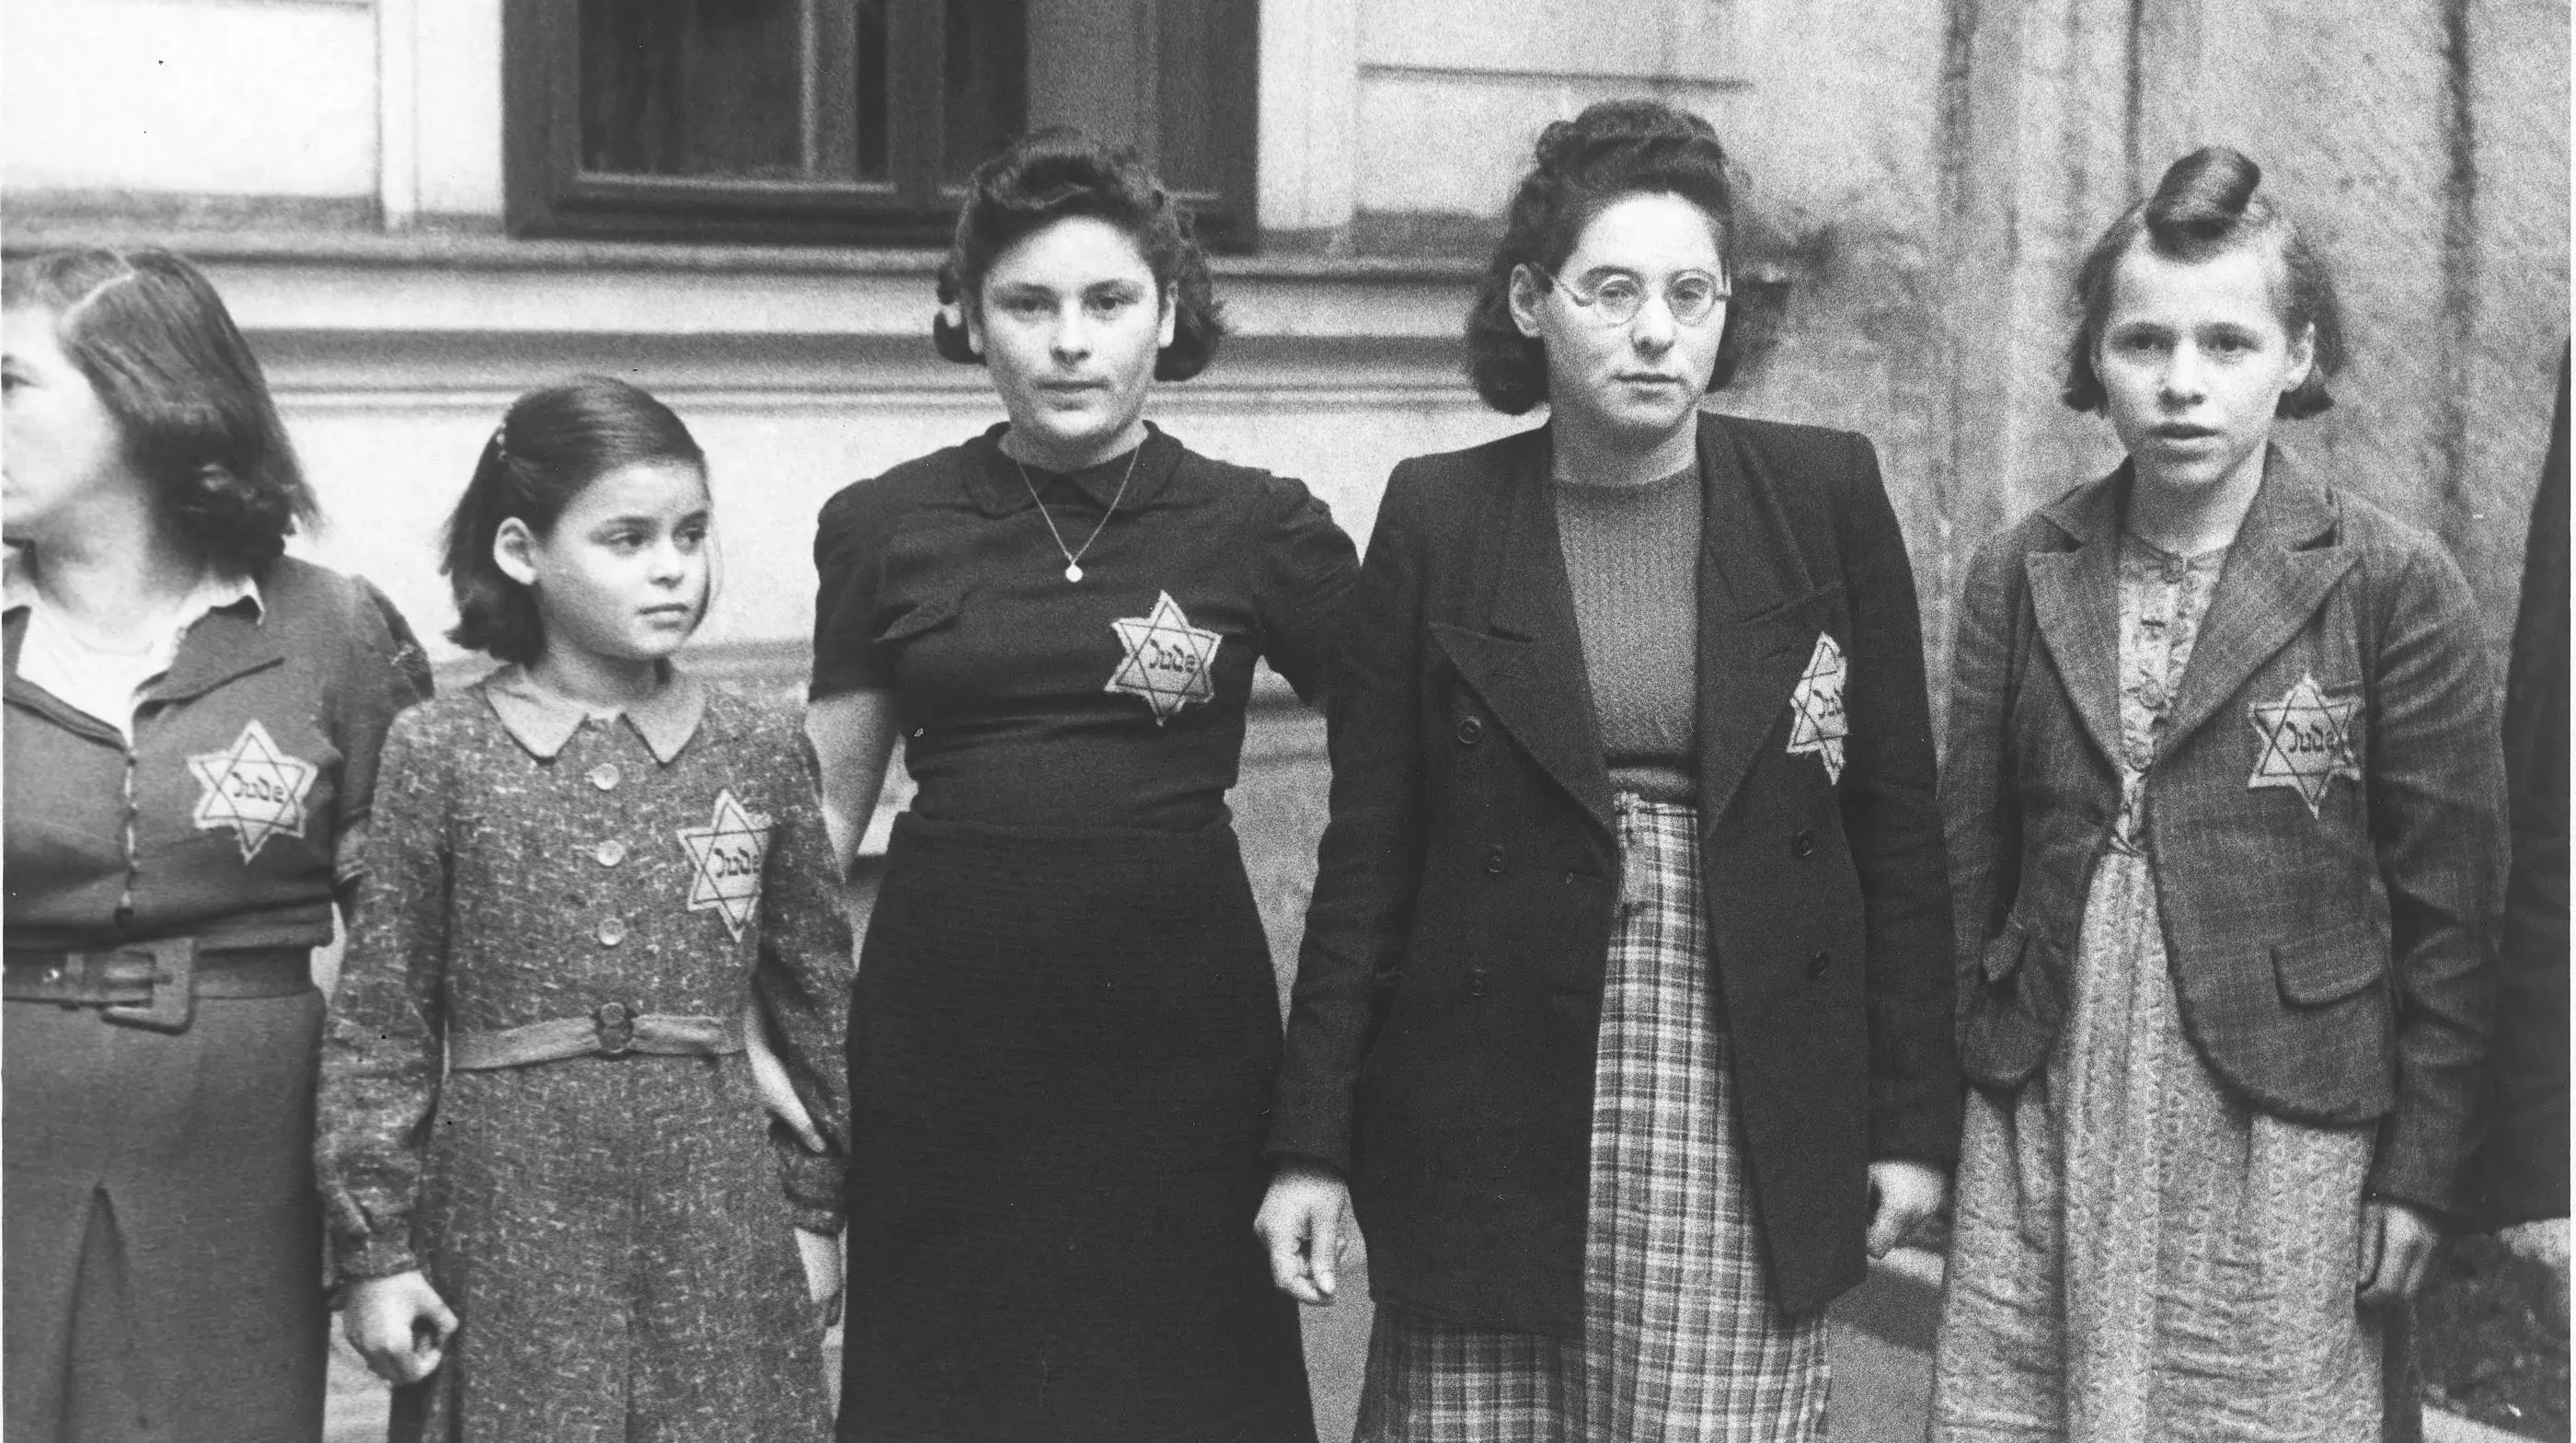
<point x="1691" y="296"/>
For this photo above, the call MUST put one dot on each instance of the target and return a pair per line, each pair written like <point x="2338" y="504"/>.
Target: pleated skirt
<point x="1682" y="1340"/>
<point x="164" y="1240"/>
<point x="1062" y="1049"/>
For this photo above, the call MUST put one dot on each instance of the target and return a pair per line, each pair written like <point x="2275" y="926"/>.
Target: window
<point x="856" y="121"/>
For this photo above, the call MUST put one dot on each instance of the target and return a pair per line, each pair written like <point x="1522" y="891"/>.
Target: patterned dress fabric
<point x="1681" y="1338"/>
<point x="614" y="1233"/>
<point x="2138" y="1255"/>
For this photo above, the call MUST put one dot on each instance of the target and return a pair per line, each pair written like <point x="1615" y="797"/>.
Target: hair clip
<point x="501" y="437"/>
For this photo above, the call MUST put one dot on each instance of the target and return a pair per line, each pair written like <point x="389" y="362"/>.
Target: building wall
<point x="1923" y="176"/>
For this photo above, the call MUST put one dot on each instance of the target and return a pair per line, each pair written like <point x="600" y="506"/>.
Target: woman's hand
<point x="399" y="1324"/>
<point x="821" y="1254"/>
<point x="2396" y="1252"/>
<point x="1904" y="1199"/>
<point x="1304" y="1222"/>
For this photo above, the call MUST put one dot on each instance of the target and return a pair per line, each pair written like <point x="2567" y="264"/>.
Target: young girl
<point x="544" y="1156"/>
<point x="2223" y="801"/>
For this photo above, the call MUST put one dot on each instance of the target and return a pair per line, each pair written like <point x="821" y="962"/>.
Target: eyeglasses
<point x="1691" y="296"/>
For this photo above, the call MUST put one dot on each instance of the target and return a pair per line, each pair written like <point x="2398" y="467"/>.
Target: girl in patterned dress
<point x="560" y="1204"/>
<point x="2223" y="803"/>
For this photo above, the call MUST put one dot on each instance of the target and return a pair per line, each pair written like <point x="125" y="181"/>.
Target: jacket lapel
<point x="2272" y="582"/>
<point x="2075" y="597"/>
<point x="1527" y="661"/>
<point x="1747" y="669"/>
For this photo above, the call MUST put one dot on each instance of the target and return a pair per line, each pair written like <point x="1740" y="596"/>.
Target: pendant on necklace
<point x="1073" y="571"/>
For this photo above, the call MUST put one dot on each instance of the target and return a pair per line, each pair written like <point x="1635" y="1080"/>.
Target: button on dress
<point x="1065" y="1028"/>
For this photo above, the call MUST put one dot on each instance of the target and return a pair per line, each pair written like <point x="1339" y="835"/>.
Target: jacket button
<point x="611" y="932"/>
<point x="1817" y="964"/>
<point x="610" y="852"/>
<point x="1497" y="861"/>
<point x="605" y="776"/>
<point x="1476" y="982"/>
<point x="1802" y="845"/>
<point x="1470" y="731"/>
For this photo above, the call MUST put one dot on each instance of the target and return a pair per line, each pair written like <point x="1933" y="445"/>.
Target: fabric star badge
<point x="1169" y="663"/>
<point x="1816" y="721"/>
<point x="726" y="856"/>
<point x="2306" y="742"/>
<point x="253" y="788"/>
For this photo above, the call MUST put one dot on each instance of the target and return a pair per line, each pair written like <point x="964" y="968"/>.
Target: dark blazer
<point x="2526" y="1155"/>
<point x="1448" y="999"/>
<point x="2334" y="966"/>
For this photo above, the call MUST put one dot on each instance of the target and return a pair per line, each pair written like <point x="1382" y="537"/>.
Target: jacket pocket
<point x="2002" y="955"/>
<point x="1793" y="625"/>
<point x="2329" y="966"/>
<point x="2008" y="1007"/>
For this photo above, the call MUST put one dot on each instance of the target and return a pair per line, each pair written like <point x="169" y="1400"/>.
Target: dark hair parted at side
<point x="1613" y="150"/>
<point x="552" y="443"/>
<point x="1054" y="174"/>
<point x="2207" y="204"/>
<point x="190" y="401"/>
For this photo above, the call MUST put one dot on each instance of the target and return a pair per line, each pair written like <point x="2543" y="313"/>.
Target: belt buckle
<point x="174" y="985"/>
<point x="615" y="1023"/>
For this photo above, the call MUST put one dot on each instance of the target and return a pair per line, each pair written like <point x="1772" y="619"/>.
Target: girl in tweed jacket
<point x="562" y="1207"/>
<point x="2222" y="799"/>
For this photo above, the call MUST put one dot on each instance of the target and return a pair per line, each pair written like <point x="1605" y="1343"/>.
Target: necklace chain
<point x="1073" y="558"/>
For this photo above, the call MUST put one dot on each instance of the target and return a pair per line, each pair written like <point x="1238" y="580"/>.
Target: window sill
<point x="485" y="251"/>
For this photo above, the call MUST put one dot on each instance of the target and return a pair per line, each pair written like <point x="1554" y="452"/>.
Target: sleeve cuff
<point x="358" y="1259"/>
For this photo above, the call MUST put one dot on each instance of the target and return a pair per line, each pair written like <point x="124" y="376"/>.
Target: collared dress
<point x="1066" y="1024"/>
<point x="2139" y="1254"/>
<point x="614" y="1232"/>
<point x="164" y="1249"/>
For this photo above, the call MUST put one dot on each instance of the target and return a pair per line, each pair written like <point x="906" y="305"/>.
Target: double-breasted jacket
<point x="1442" y="1037"/>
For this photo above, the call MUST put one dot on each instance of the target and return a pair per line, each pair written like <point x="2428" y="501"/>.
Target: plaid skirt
<point x="1681" y="1338"/>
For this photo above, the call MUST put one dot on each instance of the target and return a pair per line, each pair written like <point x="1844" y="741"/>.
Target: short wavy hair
<point x="155" y="341"/>
<point x="2209" y="203"/>
<point x="550" y="445"/>
<point x="1581" y="167"/>
<point x="1055" y="174"/>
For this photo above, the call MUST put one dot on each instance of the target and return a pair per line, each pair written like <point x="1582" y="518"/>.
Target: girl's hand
<point x="398" y="1324"/>
<point x="2396" y="1252"/>
<point x="1303" y="1222"/>
<point x="1904" y="1199"/>
<point x="821" y="1254"/>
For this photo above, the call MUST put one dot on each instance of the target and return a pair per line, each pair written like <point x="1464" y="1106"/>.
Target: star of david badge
<point x="253" y="788"/>
<point x="2306" y="742"/>
<point x="725" y="856"/>
<point x="1169" y="662"/>
<point x="1816" y="722"/>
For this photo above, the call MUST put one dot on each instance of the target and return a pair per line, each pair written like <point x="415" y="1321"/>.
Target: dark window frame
<point x="547" y="192"/>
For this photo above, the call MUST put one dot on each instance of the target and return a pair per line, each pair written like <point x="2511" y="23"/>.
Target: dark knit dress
<point x="1065" y="1027"/>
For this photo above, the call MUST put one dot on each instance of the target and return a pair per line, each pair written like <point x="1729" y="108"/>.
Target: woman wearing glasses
<point x="1622" y="1014"/>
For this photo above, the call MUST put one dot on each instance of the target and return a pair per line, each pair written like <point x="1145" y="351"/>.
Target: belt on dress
<point x="614" y="1030"/>
<point x="154" y="984"/>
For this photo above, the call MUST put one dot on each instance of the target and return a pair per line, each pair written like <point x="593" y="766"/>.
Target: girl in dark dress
<point x="1065" y="1027"/>
<point x="193" y="727"/>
